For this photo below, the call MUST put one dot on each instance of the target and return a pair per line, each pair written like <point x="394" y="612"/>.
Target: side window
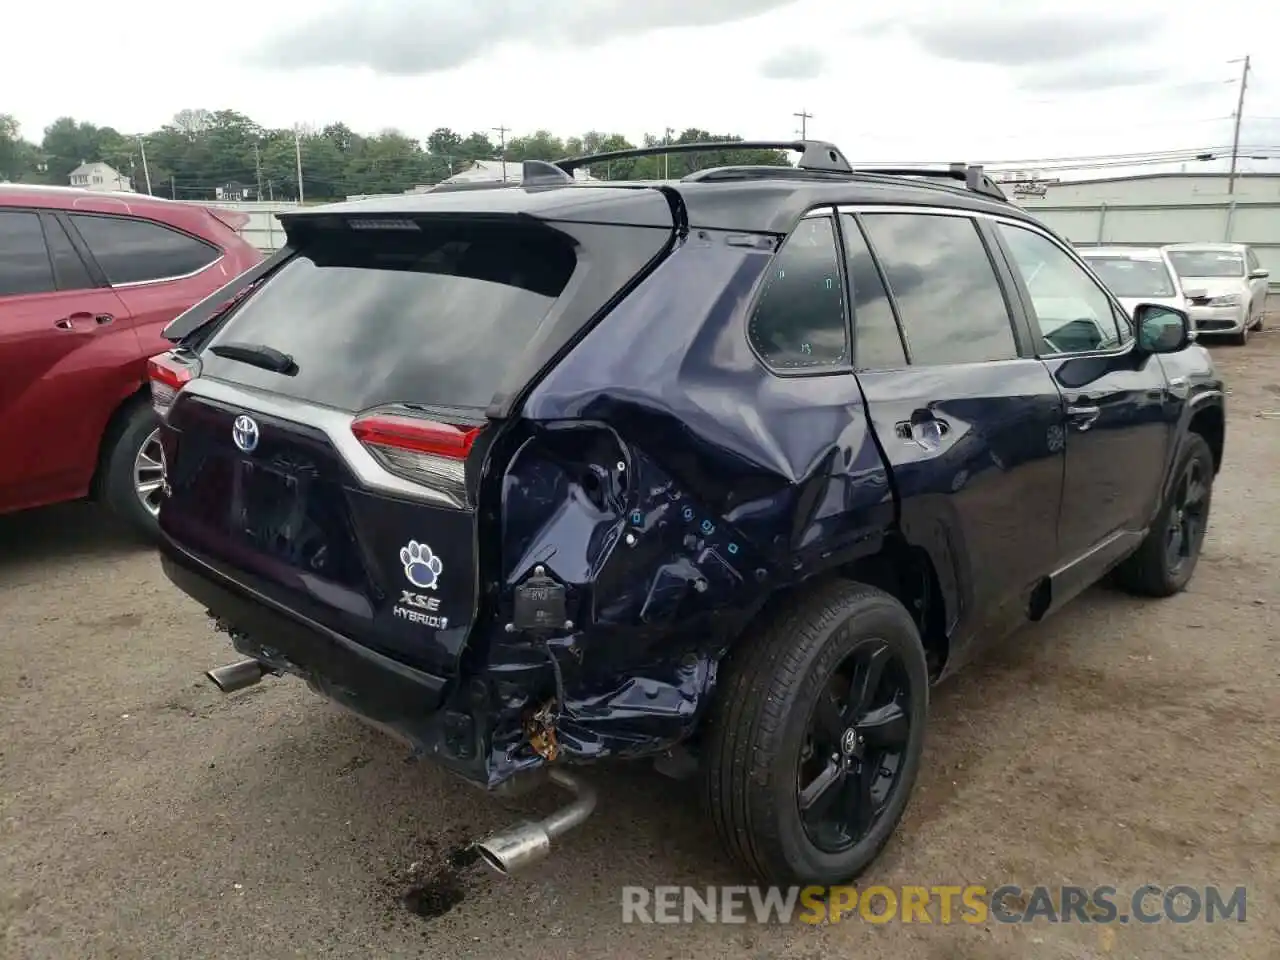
<point x="24" y="260"/>
<point x="68" y="269"/>
<point x="134" y="251"/>
<point x="799" y="320"/>
<point x="946" y="289"/>
<point x="877" y="345"/>
<point x="1074" y="314"/>
<point x="1252" y="260"/>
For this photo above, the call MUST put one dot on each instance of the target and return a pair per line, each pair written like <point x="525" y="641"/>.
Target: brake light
<point x="167" y="376"/>
<point x="423" y="451"/>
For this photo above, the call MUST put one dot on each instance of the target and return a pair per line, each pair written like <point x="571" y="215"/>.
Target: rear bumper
<point x="407" y="702"/>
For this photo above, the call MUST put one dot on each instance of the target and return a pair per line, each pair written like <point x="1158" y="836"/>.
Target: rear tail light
<point x="422" y="451"/>
<point x="168" y="376"/>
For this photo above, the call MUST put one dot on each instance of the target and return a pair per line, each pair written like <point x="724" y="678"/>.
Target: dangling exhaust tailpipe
<point x="517" y="847"/>
<point x="238" y="675"/>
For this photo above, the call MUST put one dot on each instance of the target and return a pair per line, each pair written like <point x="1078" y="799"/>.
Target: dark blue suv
<point x="722" y="472"/>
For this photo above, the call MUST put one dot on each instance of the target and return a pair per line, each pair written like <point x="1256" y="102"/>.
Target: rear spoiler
<point x="236" y="220"/>
<point x="216" y="303"/>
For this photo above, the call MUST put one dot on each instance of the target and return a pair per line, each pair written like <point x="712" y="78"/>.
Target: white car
<point x="1225" y="286"/>
<point x="1136" y="275"/>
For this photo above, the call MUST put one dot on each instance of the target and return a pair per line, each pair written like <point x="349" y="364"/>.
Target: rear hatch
<point x="325" y="443"/>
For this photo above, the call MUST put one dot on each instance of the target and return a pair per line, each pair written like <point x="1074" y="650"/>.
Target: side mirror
<point x="1196" y="293"/>
<point x="1259" y="274"/>
<point x="1162" y="329"/>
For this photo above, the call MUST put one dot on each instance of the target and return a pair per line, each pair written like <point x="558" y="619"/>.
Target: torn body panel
<point x="671" y="485"/>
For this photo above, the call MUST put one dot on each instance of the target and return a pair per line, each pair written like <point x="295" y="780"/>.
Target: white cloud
<point x="983" y="81"/>
<point x="794" y="63"/>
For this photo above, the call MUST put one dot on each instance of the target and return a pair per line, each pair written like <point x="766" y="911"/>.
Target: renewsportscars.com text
<point x="938" y="904"/>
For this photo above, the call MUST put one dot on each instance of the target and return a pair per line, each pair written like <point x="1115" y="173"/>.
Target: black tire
<point x="118" y="485"/>
<point x="1242" y="338"/>
<point x="1150" y="571"/>
<point x="768" y="693"/>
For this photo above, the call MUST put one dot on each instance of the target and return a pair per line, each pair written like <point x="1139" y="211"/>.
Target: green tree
<point x="539" y="145"/>
<point x="14" y="155"/>
<point x="200" y="150"/>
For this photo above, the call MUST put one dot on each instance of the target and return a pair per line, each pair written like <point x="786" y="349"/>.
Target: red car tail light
<point x="423" y="451"/>
<point x="167" y="376"/>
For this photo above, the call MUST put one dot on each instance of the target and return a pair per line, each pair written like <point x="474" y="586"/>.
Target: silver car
<point x="1136" y="275"/>
<point x="1225" y="286"/>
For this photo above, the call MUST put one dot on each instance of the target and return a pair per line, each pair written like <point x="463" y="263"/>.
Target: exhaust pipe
<point x="517" y="847"/>
<point x="238" y="675"/>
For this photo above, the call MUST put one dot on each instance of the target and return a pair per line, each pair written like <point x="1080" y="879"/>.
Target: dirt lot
<point x="142" y="814"/>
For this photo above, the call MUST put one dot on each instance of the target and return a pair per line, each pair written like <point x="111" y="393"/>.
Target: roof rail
<point x="815" y="154"/>
<point x="970" y="174"/>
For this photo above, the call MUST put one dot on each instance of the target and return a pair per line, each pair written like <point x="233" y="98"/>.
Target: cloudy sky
<point x="929" y="81"/>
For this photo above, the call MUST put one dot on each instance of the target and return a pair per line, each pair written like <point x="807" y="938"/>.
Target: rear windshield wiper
<point x="258" y="355"/>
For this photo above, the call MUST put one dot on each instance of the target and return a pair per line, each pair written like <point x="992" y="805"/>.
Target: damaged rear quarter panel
<point x="672" y="484"/>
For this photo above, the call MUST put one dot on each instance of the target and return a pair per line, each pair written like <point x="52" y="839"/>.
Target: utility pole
<point x="173" y="187"/>
<point x="805" y="117"/>
<point x="502" y="149"/>
<point x="666" y="157"/>
<point x="146" y="171"/>
<point x="1235" y="137"/>
<point x="297" y="153"/>
<point x="257" y="166"/>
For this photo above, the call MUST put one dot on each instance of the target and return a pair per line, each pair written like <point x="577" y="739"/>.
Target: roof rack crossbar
<point x="970" y="174"/>
<point x="814" y="154"/>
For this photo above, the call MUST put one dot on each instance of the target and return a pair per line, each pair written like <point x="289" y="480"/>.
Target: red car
<point x="88" y="281"/>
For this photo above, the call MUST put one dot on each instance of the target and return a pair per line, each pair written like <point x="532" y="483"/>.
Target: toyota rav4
<point x="723" y="472"/>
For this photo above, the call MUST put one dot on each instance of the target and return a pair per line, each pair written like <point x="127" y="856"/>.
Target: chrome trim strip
<point x="335" y="424"/>
<point x="183" y="276"/>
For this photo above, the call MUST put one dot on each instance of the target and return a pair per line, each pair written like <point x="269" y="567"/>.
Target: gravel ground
<point x="142" y="814"/>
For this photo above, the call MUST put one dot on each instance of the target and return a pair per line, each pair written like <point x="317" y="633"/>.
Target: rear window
<point x="1133" y="276"/>
<point x="430" y="316"/>
<point x="1207" y="263"/>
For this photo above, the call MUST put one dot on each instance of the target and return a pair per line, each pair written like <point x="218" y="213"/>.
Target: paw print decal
<point x="421" y="566"/>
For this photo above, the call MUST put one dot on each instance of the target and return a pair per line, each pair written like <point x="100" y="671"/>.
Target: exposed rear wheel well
<point x="115" y="425"/>
<point x="1210" y="424"/>
<point x="906" y="573"/>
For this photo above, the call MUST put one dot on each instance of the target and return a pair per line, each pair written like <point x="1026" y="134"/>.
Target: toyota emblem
<point x="245" y="433"/>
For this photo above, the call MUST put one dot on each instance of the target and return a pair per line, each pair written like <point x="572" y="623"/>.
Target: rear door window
<point x="24" y="259"/>
<point x="68" y="268"/>
<point x="434" y="316"/>
<point x="877" y="344"/>
<point x="130" y="250"/>
<point x="946" y="289"/>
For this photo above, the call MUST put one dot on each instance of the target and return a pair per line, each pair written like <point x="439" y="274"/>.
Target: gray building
<point x="1159" y="208"/>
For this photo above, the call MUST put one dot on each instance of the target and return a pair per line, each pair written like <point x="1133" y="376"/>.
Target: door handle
<point x="1082" y="416"/>
<point x="69" y="323"/>
<point x="924" y="428"/>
